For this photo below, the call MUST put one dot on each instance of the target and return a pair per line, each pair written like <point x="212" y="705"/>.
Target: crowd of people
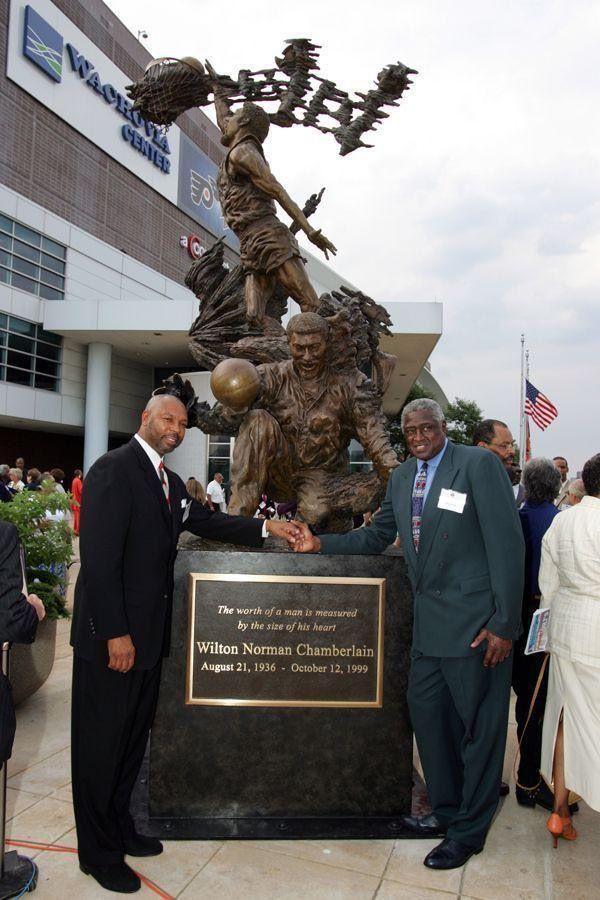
<point x="16" y="479"/>
<point x="562" y="573"/>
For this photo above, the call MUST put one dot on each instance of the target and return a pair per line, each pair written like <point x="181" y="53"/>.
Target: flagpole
<point x="522" y="434"/>
<point x="527" y="429"/>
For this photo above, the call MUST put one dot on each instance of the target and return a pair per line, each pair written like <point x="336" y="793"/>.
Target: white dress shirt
<point x="570" y="582"/>
<point x="153" y="456"/>
<point x="432" y="465"/>
<point x="156" y="460"/>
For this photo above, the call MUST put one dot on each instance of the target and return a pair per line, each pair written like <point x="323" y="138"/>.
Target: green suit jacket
<point x="468" y="573"/>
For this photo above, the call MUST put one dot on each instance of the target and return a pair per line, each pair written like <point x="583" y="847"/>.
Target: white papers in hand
<point x="537" y="640"/>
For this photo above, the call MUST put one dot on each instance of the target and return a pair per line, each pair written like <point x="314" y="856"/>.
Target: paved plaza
<point x="518" y="861"/>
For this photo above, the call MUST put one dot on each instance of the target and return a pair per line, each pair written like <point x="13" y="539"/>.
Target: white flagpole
<point x="522" y="431"/>
<point x="525" y="417"/>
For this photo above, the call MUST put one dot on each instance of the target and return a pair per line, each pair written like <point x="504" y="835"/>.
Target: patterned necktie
<point x="417" y="504"/>
<point x="164" y="481"/>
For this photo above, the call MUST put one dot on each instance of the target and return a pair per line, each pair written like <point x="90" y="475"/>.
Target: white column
<point x="191" y="457"/>
<point x="97" y="403"/>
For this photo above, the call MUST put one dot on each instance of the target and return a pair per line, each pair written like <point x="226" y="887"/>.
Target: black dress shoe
<point x="426" y="826"/>
<point x="504" y="789"/>
<point x="450" y="855"/>
<point x="118" y="877"/>
<point x="141" y="845"/>
<point x="540" y="796"/>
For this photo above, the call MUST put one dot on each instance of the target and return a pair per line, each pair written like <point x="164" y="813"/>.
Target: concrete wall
<point x="94" y="270"/>
<point x="191" y="457"/>
<point x="130" y="387"/>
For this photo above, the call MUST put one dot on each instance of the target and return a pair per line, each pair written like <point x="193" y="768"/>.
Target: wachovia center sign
<point x="44" y="46"/>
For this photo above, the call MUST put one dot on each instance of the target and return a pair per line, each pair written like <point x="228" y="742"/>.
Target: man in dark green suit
<point x="455" y="513"/>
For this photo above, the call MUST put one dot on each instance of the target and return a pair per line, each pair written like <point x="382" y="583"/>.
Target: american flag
<point x="537" y="405"/>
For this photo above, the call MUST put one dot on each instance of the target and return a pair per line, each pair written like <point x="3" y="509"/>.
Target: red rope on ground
<point x="59" y="848"/>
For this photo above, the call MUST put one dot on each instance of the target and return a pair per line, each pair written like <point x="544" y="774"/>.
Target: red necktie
<point x="164" y="481"/>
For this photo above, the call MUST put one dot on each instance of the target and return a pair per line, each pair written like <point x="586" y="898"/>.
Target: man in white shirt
<point x="562" y="465"/>
<point x="215" y="494"/>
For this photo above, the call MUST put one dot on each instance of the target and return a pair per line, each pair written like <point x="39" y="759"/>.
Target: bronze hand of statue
<point x="317" y="238"/>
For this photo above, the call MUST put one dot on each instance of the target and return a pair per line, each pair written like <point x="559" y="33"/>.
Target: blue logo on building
<point x="42" y="44"/>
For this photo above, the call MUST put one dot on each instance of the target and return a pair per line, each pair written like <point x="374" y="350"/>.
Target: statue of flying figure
<point x="247" y="190"/>
<point x="270" y="255"/>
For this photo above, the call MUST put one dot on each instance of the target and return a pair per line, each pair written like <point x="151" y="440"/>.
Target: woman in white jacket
<point x="570" y="585"/>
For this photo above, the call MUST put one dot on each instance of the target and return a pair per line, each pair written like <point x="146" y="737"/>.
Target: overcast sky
<point x="482" y="190"/>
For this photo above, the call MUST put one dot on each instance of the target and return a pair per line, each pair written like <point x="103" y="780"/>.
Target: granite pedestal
<point x="231" y="771"/>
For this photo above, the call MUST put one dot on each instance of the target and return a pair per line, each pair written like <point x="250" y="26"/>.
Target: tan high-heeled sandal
<point x="561" y="826"/>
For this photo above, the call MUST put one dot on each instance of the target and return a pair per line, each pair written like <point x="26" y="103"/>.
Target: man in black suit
<point x="132" y="512"/>
<point x="19" y="616"/>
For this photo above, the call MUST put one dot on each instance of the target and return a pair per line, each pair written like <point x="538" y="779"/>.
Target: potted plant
<point x="40" y="517"/>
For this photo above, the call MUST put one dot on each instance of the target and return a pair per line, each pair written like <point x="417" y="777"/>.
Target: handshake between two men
<point x="298" y="535"/>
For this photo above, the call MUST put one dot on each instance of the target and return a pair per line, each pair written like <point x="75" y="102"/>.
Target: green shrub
<point x="47" y="545"/>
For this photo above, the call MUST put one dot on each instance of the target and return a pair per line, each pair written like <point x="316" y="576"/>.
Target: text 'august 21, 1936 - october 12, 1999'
<point x="300" y="641"/>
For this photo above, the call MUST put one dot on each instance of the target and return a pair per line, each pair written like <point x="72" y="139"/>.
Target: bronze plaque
<point x="285" y="640"/>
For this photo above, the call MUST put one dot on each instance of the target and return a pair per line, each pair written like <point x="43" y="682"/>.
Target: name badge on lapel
<point x="453" y="501"/>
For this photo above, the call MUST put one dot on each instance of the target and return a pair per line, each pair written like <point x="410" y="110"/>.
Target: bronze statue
<point x="293" y="444"/>
<point x="247" y="191"/>
<point x="172" y="86"/>
<point x="305" y="396"/>
<point x="294" y="422"/>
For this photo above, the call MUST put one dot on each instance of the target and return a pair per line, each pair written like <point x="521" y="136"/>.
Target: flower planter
<point x="31" y="664"/>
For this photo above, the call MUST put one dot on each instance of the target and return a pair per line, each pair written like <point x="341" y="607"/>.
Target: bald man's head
<point x="163" y="423"/>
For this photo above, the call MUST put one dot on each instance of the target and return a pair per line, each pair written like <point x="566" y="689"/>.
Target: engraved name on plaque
<point x="283" y="640"/>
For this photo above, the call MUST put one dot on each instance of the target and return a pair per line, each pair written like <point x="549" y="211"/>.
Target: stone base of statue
<point x="282" y="710"/>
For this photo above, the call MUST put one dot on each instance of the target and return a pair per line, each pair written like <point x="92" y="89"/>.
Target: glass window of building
<point x="220" y="447"/>
<point x="31" y="262"/>
<point x="359" y="461"/>
<point x="29" y="355"/>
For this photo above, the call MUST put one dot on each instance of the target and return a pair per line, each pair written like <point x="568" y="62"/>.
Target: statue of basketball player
<point x="247" y="191"/>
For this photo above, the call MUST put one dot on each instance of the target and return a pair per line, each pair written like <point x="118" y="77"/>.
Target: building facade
<point x="100" y="216"/>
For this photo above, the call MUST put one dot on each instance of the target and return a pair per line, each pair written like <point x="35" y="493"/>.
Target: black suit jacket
<point x="128" y="544"/>
<point x="18" y="624"/>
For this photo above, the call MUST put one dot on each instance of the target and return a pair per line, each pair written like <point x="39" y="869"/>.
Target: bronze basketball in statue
<point x="235" y="383"/>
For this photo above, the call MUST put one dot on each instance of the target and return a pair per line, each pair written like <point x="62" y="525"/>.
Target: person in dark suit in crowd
<point x="132" y="512"/>
<point x="34" y="480"/>
<point x="454" y="510"/>
<point x="5" y="494"/>
<point x="19" y="617"/>
<point x="494" y="435"/>
<point x="20" y="464"/>
<point x="542" y="482"/>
